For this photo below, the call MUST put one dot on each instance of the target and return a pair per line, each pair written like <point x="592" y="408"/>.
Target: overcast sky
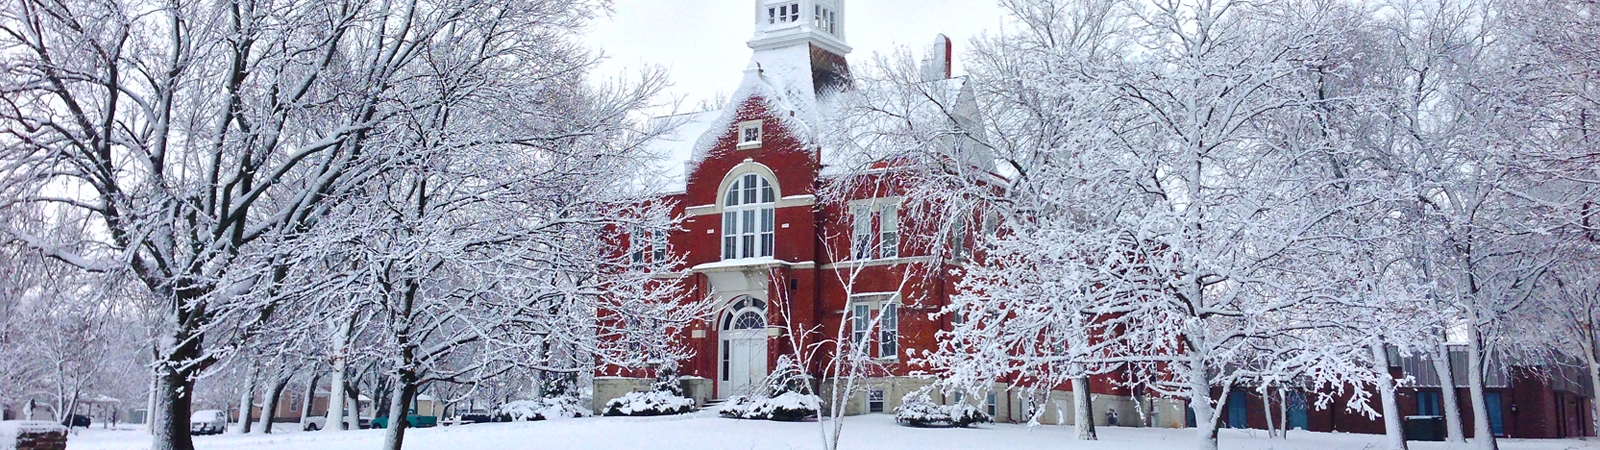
<point x="702" y="42"/>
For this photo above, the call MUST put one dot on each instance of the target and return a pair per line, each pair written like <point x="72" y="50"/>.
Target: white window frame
<point x="861" y="232"/>
<point x="825" y="20"/>
<point x="875" y="229"/>
<point x="889" y="231"/>
<point x="749" y="134"/>
<point x="869" y="326"/>
<point x="785" y="13"/>
<point x="889" y="331"/>
<point x="749" y="218"/>
<point x="646" y="242"/>
<point x="860" y="321"/>
<point x="959" y="245"/>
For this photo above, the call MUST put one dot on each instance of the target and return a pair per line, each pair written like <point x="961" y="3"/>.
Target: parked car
<point x="79" y="420"/>
<point x="320" y="422"/>
<point x="412" y="419"/>
<point x="208" y="421"/>
<point x="470" y="417"/>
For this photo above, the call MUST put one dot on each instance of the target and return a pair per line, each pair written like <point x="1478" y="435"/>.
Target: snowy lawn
<point x="703" y="431"/>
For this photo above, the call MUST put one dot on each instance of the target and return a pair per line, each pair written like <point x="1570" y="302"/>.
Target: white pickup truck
<point x="352" y="422"/>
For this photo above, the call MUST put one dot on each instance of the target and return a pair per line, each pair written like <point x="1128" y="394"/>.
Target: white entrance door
<point x="744" y="353"/>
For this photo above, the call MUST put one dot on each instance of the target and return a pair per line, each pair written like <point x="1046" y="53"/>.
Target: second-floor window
<point x="748" y="218"/>
<point x="875" y="232"/>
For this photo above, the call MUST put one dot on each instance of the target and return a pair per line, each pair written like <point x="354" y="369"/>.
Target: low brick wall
<point x="32" y="435"/>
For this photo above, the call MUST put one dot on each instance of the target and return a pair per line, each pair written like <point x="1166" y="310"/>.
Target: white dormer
<point x="783" y="23"/>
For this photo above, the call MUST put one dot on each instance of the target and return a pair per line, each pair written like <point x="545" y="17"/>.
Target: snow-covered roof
<point x="783" y="78"/>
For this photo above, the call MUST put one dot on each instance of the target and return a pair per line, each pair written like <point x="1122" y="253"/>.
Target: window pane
<point x="749" y="222"/>
<point x="766" y="192"/>
<point x="732" y="199"/>
<point x="766" y="220"/>
<point x="891" y="317"/>
<point x="888" y="245"/>
<point x="730" y="245"/>
<point x="859" y="324"/>
<point x="749" y="246"/>
<point x="766" y="244"/>
<point x="729" y="219"/>
<point x="889" y="220"/>
<point x="749" y="320"/>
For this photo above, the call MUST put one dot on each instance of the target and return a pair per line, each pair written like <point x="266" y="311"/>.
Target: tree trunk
<point x="1283" y="412"/>
<point x="1205" y="418"/>
<point x="336" y="384"/>
<point x="395" y="436"/>
<point x="150" y="404"/>
<point x="1594" y="383"/>
<point x="354" y="406"/>
<point x="246" y="401"/>
<point x="1082" y="409"/>
<point x="1482" y="432"/>
<point x="1266" y="408"/>
<point x="336" y="398"/>
<point x="1392" y="429"/>
<point x="269" y="404"/>
<point x="171" y="431"/>
<point x="1447" y="392"/>
<point x="72" y="408"/>
<point x="310" y="392"/>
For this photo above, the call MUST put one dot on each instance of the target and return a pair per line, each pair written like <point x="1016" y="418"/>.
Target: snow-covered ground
<point x="702" y="431"/>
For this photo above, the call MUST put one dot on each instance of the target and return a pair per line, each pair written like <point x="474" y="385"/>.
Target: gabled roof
<point x="780" y="77"/>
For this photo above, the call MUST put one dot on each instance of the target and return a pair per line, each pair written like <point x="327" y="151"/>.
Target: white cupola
<point x="785" y="23"/>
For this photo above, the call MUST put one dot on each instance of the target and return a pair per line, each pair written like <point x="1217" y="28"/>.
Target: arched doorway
<point x="743" y="350"/>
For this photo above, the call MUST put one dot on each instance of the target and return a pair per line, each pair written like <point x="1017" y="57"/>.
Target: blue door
<point x="1496" y="422"/>
<point x="1236" y="411"/>
<point x="1297" y="411"/>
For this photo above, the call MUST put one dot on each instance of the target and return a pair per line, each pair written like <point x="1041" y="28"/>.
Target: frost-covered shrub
<point x="667" y="379"/>
<point x="918" y="410"/>
<point x="653" y="403"/>
<point x="541" y="409"/>
<point x="784" y="397"/>
<point x="786" y="407"/>
<point x="665" y="397"/>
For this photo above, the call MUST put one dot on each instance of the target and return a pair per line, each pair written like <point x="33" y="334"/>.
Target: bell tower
<point x="783" y="23"/>
<point x="800" y="36"/>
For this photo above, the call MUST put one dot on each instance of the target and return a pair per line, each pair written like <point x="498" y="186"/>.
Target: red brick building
<point x="775" y="258"/>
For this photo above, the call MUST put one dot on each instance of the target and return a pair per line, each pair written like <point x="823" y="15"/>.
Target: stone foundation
<point x="608" y="388"/>
<point x="1014" y="405"/>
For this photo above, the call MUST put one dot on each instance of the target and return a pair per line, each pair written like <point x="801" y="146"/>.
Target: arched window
<point x="745" y="314"/>
<point x="747" y="218"/>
